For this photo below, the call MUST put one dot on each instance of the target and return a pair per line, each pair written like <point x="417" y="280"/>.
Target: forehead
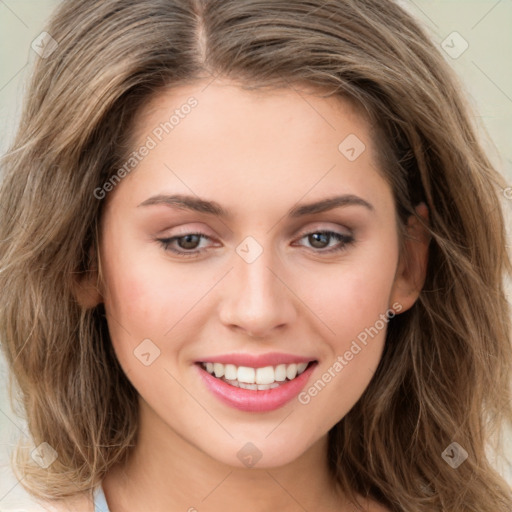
<point x="229" y="104"/>
<point x="220" y="139"/>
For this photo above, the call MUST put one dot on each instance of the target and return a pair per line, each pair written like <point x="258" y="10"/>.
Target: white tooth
<point x="218" y="368"/>
<point x="280" y="373"/>
<point x="301" y="367"/>
<point x="291" y="371"/>
<point x="262" y="387"/>
<point x="252" y="387"/>
<point x="246" y="374"/>
<point x="265" y="375"/>
<point x="230" y="371"/>
<point x="274" y="385"/>
<point x="209" y="367"/>
<point x="233" y="383"/>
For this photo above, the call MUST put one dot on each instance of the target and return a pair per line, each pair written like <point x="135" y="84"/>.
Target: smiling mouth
<point x="256" y="379"/>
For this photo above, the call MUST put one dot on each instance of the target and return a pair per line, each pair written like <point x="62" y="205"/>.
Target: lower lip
<point x="256" y="400"/>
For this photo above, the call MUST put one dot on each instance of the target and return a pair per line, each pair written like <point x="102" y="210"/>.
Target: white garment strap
<point x="100" y="503"/>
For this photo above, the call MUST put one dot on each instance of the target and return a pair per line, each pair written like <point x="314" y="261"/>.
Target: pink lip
<point x="255" y="401"/>
<point x="257" y="361"/>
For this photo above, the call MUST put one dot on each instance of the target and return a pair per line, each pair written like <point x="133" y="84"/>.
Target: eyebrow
<point x="197" y="204"/>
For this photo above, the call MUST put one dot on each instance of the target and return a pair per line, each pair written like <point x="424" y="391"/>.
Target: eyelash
<point x="346" y="239"/>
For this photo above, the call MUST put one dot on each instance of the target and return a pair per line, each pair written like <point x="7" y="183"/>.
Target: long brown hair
<point x="445" y="373"/>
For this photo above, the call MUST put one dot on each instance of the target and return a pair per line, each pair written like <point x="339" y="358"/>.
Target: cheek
<point x="132" y="295"/>
<point x="136" y="298"/>
<point x="351" y="296"/>
<point x="356" y="310"/>
<point x="140" y="290"/>
<point x="144" y="298"/>
<point x="355" y="313"/>
<point x="150" y="298"/>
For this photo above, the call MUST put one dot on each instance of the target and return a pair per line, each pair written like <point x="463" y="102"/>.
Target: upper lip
<point x="257" y="361"/>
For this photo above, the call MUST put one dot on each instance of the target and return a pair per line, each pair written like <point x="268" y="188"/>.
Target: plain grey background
<point x="479" y="52"/>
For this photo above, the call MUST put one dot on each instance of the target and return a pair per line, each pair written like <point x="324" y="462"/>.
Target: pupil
<point x="188" y="241"/>
<point x="321" y="238"/>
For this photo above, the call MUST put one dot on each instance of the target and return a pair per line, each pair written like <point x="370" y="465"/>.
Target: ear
<point x="86" y="285"/>
<point x="412" y="265"/>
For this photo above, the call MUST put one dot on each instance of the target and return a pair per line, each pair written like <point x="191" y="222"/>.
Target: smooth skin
<point x="258" y="154"/>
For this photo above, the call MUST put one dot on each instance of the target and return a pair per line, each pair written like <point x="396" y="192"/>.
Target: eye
<point x="319" y="240"/>
<point x="188" y="243"/>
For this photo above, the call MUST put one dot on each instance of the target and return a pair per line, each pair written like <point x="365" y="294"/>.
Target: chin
<point x="263" y="451"/>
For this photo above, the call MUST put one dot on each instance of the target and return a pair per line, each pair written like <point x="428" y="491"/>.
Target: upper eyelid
<point x="317" y="226"/>
<point x="323" y="227"/>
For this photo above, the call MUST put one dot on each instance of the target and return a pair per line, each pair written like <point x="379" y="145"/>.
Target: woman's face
<point x="254" y="239"/>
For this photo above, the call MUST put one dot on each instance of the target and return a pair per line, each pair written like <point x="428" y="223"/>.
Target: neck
<point x="165" y="472"/>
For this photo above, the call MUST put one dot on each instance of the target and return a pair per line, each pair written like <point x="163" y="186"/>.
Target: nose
<point x="257" y="300"/>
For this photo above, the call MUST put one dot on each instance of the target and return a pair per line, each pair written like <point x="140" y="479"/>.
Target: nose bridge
<point x="256" y="300"/>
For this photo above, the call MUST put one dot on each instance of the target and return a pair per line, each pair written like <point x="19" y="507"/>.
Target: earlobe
<point x="86" y="285"/>
<point x="412" y="267"/>
<point x="86" y="291"/>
